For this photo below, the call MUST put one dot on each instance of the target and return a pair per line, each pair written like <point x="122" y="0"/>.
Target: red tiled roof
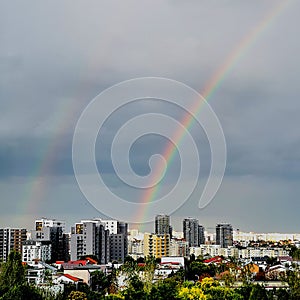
<point x="94" y="262"/>
<point x="77" y="262"/>
<point x="141" y="264"/>
<point x="216" y="259"/>
<point x="75" y="279"/>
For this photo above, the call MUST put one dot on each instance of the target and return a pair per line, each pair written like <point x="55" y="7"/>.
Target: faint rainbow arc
<point x="35" y="191"/>
<point x="209" y="88"/>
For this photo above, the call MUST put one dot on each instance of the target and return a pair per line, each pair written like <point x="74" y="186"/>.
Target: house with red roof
<point x="214" y="260"/>
<point x="67" y="278"/>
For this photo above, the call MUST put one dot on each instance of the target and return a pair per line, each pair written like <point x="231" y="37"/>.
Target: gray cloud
<point x="56" y="56"/>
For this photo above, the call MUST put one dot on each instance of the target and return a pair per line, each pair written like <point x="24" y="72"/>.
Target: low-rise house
<point x="215" y="260"/>
<point x="275" y="272"/>
<point x="67" y="278"/>
<point x="163" y="270"/>
<point x="40" y="273"/>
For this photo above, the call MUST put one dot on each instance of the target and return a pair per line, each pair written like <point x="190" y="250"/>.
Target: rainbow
<point x="35" y="191"/>
<point x="36" y="187"/>
<point x="209" y="89"/>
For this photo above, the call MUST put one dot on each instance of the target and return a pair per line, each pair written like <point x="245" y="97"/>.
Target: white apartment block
<point x="44" y="222"/>
<point x="136" y="248"/>
<point x="177" y="234"/>
<point x="261" y="252"/>
<point x="211" y="250"/>
<point x="33" y="251"/>
<point x="216" y="250"/>
<point x="179" y="247"/>
<point x="135" y="243"/>
<point x="269" y="237"/>
<point x="111" y="225"/>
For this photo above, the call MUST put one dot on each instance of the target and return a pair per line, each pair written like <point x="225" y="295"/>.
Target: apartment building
<point x="11" y="239"/>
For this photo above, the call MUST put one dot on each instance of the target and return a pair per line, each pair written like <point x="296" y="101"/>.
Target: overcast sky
<point x="56" y="56"/>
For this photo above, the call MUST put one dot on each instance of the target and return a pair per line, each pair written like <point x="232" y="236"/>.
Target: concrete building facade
<point x="89" y="237"/>
<point x="224" y="235"/>
<point x="36" y="251"/>
<point x="156" y="245"/>
<point x="162" y="225"/>
<point x="11" y="239"/>
<point x="193" y="232"/>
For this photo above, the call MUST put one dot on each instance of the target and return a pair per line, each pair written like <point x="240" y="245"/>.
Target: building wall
<point x="224" y="235"/>
<point x="32" y="250"/>
<point x="156" y="245"/>
<point x="52" y="231"/>
<point x="90" y="238"/>
<point x="162" y="225"/>
<point x="119" y="243"/>
<point x="191" y="231"/>
<point x="11" y="239"/>
<point x="179" y="247"/>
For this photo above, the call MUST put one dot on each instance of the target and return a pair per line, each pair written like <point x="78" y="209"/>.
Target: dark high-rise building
<point x="224" y="235"/>
<point x="119" y="243"/>
<point x="162" y="225"/>
<point x="191" y="231"/>
<point x="201" y="235"/>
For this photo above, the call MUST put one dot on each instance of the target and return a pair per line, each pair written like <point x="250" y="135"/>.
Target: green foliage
<point x="178" y="276"/>
<point x="296" y="254"/>
<point x="135" y="289"/>
<point x="191" y="293"/>
<point x="196" y="269"/>
<point x="12" y="272"/>
<point x="166" y="289"/>
<point x="76" y="295"/>
<point x="272" y="261"/>
<point x="282" y="294"/>
<point x="258" y="292"/>
<point x="22" y="292"/>
<point x="13" y="284"/>
<point x="140" y="284"/>
<point x="113" y="297"/>
<point x="213" y="290"/>
<point x="293" y="280"/>
<point x="225" y="293"/>
<point x="245" y="291"/>
<point x="99" y="282"/>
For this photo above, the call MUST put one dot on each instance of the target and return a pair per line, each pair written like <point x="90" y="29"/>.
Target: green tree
<point x="148" y="273"/>
<point x="99" y="282"/>
<point x="12" y="272"/>
<point x="293" y="280"/>
<point x="135" y="289"/>
<point x="296" y="254"/>
<point x="213" y="290"/>
<point x="165" y="289"/>
<point x="196" y="269"/>
<point x="190" y="291"/>
<point x="22" y="292"/>
<point x="258" y="292"/>
<point x="13" y="284"/>
<point x="76" y="295"/>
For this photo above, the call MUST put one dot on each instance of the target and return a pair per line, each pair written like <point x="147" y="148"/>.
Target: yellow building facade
<point x="156" y="245"/>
